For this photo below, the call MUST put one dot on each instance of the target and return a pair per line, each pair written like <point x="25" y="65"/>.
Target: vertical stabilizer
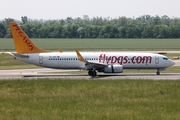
<point x="22" y="42"/>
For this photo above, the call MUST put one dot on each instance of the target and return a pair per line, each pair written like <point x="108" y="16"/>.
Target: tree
<point x="147" y="32"/>
<point x="69" y="20"/>
<point x="122" y="32"/>
<point x="145" y="26"/>
<point x="24" y="19"/>
<point x="122" y="21"/>
<point x="80" y="32"/>
<point x="6" y="22"/>
<point x="2" y="30"/>
<point x="163" y="31"/>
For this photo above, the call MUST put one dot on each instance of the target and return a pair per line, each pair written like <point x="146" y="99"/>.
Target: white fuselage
<point x="69" y="60"/>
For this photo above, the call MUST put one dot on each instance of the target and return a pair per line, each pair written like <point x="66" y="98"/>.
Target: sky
<point x="61" y="9"/>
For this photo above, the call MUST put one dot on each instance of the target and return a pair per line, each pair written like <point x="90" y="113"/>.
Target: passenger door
<point x="40" y="59"/>
<point x="156" y="60"/>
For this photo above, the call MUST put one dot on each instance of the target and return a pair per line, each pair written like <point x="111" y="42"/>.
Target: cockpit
<point x="165" y="58"/>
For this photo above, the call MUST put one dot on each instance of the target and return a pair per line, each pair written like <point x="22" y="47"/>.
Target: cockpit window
<point x="164" y="58"/>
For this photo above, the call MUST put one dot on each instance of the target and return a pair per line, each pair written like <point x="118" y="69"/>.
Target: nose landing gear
<point x="158" y="72"/>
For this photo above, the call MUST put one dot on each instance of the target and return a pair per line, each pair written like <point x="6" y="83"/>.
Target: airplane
<point x="107" y="62"/>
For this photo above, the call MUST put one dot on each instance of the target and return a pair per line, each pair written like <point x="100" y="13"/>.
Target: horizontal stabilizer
<point x="162" y="53"/>
<point x="16" y="55"/>
<point x="20" y="55"/>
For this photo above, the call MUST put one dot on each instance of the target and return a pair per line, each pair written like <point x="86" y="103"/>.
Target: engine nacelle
<point x="113" y="69"/>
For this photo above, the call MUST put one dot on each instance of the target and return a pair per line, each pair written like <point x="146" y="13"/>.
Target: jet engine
<point x="113" y="69"/>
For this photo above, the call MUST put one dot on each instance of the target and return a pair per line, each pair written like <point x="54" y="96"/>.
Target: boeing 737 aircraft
<point x="107" y="62"/>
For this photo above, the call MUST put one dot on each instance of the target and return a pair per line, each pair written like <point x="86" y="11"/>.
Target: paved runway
<point x="50" y="73"/>
<point x="177" y="62"/>
<point x="43" y="73"/>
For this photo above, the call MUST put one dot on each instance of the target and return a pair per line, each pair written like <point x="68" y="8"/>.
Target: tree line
<point x="145" y="26"/>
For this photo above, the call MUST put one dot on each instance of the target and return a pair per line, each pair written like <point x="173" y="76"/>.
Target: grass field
<point x="89" y="99"/>
<point x="67" y="99"/>
<point x="99" y="44"/>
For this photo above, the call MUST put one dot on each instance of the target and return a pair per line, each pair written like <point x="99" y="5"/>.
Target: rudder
<point x="22" y="42"/>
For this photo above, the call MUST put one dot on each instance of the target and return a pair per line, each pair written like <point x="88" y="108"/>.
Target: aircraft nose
<point x="171" y="63"/>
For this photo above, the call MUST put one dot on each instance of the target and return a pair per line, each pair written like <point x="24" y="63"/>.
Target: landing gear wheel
<point x="92" y="72"/>
<point x="158" y="73"/>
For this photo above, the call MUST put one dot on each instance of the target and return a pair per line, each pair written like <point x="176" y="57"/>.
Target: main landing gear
<point x="92" y="72"/>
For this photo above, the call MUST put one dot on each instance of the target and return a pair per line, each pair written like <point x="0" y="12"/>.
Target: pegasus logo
<point x="24" y="37"/>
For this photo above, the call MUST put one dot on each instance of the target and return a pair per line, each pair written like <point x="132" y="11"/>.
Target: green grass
<point x="98" y="44"/>
<point x="89" y="99"/>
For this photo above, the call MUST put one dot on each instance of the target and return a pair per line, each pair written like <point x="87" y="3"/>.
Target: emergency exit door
<point x="40" y="59"/>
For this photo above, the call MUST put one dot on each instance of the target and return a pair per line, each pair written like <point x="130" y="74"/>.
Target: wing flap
<point x="94" y="65"/>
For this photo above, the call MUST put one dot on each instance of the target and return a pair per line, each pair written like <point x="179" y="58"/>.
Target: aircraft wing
<point x="90" y="64"/>
<point x="94" y="65"/>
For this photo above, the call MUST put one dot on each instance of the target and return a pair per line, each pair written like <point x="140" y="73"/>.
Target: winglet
<point x="22" y="42"/>
<point x="59" y="49"/>
<point x="80" y="58"/>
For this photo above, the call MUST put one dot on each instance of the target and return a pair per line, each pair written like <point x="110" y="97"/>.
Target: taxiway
<point x="51" y="73"/>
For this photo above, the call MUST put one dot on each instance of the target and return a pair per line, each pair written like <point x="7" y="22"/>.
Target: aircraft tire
<point x="90" y="72"/>
<point x="158" y="73"/>
<point x="94" y="73"/>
